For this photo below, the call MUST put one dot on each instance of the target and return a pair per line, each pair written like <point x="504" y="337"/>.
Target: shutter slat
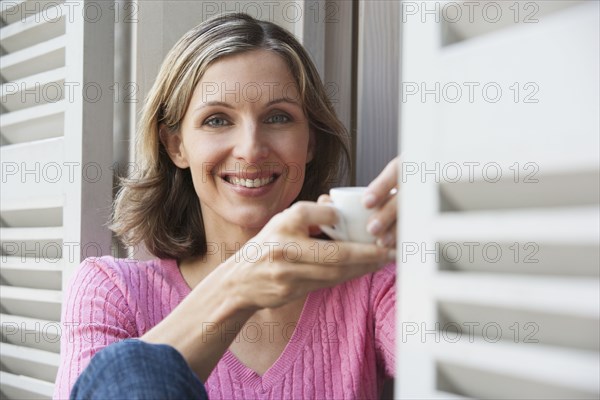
<point x="26" y="323"/>
<point x="24" y="387"/>
<point x="36" y="333"/>
<point x="13" y="11"/>
<point x="33" y="123"/>
<point x="35" y="59"/>
<point x="566" y="225"/>
<point x="35" y="217"/>
<point x="38" y="364"/>
<point x="49" y="22"/>
<point x="478" y="23"/>
<point x="28" y="294"/>
<point x="42" y="88"/>
<point x="35" y="264"/>
<point x="521" y="187"/>
<point x="30" y="234"/>
<point x="33" y="355"/>
<point x="521" y="258"/>
<point x="31" y="277"/>
<point x="31" y="303"/>
<point x="31" y="203"/>
<point x="571" y="296"/>
<point x="567" y="368"/>
<point x="10" y="10"/>
<point x="36" y="174"/>
<point x="32" y="272"/>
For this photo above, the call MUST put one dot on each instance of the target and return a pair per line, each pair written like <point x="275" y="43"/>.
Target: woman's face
<point x="245" y="139"/>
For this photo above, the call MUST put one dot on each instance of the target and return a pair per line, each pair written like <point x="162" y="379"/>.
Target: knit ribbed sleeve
<point x="94" y="315"/>
<point x="384" y="309"/>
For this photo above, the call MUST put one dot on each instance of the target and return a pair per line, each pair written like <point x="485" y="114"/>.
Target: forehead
<point x="255" y="76"/>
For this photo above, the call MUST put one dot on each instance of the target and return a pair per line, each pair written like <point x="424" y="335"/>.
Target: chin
<point x="253" y="220"/>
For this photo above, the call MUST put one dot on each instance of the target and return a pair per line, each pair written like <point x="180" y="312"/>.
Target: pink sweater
<point x="342" y="346"/>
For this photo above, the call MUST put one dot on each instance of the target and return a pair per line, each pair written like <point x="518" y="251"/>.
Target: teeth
<point x="250" y="183"/>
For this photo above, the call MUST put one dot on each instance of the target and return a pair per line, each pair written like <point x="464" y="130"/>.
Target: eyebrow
<point x="227" y="105"/>
<point x="282" y="100"/>
<point x="213" y="103"/>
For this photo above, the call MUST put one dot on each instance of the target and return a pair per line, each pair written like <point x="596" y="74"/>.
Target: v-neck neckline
<point x="273" y="375"/>
<point x="291" y="351"/>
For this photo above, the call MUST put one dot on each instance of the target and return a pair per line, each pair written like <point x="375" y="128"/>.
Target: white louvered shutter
<point x="56" y="177"/>
<point x="499" y="275"/>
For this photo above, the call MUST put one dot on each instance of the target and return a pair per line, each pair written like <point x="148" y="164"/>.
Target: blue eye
<point x="216" y="122"/>
<point x="278" y="119"/>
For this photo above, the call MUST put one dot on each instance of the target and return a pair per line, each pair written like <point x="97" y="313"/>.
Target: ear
<point x="174" y="146"/>
<point x="311" y="146"/>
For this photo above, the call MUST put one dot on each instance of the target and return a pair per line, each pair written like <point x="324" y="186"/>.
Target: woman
<point x="237" y="140"/>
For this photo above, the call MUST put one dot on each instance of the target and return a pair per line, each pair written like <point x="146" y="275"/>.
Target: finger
<point x="318" y="277"/>
<point x="322" y="274"/>
<point x="379" y="190"/>
<point x="327" y="252"/>
<point x="358" y="253"/>
<point x="383" y="218"/>
<point x="289" y="281"/>
<point x="388" y="239"/>
<point x="301" y="210"/>
<point x="324" y="199"/>
<point x="306" y="213"/>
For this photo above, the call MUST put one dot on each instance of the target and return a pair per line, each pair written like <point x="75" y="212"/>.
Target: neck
<point x="222" y="244"/>
<point x="223" y="241"/>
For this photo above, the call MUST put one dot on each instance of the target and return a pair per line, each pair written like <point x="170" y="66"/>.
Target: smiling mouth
<point x="249" y="183"/>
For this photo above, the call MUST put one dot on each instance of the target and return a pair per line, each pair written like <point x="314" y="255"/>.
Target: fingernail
<point x="369" y="200"/>
<point x="374" y="227"/>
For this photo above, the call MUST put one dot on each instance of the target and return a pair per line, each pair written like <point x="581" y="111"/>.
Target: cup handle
<point x="337" y="231"/>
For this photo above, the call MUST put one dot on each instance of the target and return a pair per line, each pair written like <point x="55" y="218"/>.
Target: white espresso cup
<point x="352" y="216"/>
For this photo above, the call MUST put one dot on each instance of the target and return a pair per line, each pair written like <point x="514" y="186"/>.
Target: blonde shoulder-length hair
<point x="159" y="207"/>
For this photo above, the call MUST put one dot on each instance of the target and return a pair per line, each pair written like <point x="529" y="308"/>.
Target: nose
<point x="250" y="146"/>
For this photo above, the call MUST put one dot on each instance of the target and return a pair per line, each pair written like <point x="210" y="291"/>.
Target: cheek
<point x="305" y="155"/>
<point x="199" y="165"/>
<point x="297" y="146"/>
<point x="294" y="165"/>
<point x="296" y="160"/>
<point x="203" y="156"/>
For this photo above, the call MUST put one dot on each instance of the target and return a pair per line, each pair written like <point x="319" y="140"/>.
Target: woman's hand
<point x="382" y="195"/>
<point x="283" y="262"/>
